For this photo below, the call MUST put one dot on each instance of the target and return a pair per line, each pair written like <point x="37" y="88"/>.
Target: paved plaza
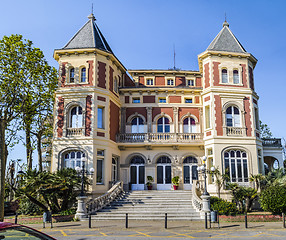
<point x="155" y="230"/>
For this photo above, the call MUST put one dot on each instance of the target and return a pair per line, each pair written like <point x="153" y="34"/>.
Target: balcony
<point x="159" y="137"/>
<point x="271" y="142"/>
<point x="71" y="132"/>
<point x="235" y="131"/>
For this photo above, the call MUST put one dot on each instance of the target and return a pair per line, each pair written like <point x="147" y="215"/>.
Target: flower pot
<point x="149" y="187"/>
<point x="175" y="187"/>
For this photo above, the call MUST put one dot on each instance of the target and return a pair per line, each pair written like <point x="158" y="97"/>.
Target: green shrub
<point x="68" y="212"/>
<point x="26" y="207"/>
<point x="273" y="199"/>
<point x="222" y="206"/>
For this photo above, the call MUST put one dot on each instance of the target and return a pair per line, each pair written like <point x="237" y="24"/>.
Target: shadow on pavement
<point x="71" y="225"/>
<point x="229" y="226"/>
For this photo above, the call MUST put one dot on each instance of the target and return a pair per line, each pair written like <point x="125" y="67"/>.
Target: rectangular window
<point x="256" y="118"/>
<point x="149" y="82"/>
<point x="170" y="82"/>
<point x="207" y="114"/>
<point x="99" y="166"/>
<point x="162" y="100"/>
<point x="190" y="82"/>
<point x="100" y="117"/>
<point x="135" y="100"/>
<point x="188" y="100"/>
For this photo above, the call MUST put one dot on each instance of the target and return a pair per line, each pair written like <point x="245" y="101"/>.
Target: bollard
<point x="245" y="217"/>
<point x="206" y="220"/>
<point x="283" y="218"/>
<point x="166" y="221"/>
<point x="89" y="220"/>
<point x="126" y="221"/>
<point x="210" y="220"/>
<point x="16" y="218"/>
<point x="51" y="220"/>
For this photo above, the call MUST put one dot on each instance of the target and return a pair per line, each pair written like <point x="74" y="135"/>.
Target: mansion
<point x="130" y="124"/>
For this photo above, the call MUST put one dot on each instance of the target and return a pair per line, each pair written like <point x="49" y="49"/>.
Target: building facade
<point x="128" y="125"/>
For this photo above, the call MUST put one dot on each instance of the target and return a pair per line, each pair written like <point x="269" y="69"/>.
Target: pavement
<point x="115" y="230"/>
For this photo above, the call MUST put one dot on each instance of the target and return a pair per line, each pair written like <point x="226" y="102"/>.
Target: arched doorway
<point x="190" y="164"/>
<point x="164" y="173"/>
<point x="137" y="173"/>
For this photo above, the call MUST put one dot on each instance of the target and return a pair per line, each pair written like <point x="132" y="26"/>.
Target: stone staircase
<point x="151" y="205"/>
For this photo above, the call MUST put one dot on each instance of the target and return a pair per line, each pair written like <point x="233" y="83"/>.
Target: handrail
<point x="197" y="202"/>
<point x="100" y="202"/>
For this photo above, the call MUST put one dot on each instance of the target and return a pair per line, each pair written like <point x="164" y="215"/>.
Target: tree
<point x="38" y="84"/>
<point x="265" y="130"/>
<point x="220" y="180"/>
<point x="257" y="179"/>
<point x="11" y="55"/>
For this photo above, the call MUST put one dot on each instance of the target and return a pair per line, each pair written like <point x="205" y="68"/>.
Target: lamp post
<point x="205" y="195"/>
<point x="81" y="203"/>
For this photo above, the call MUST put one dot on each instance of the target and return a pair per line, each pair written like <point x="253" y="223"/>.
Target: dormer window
<point x="71" y="75"/>
<point x="224" y="76"/>
<point x="235" y="77"/>
<point x="83" y="75"/>
<point x="170" y="82"/>
<point x="190" y="82"/>
<point x="149" y="82"/>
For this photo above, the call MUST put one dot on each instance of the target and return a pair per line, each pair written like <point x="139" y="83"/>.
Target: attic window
<point x="235" y="77"/>
<point x="170" y="82"/>
<point x="71" y="75"/>
<point x="190" y="82"/>
<point x="83" y="75"/>
<point x="224" y="76"/>
<point x="149" y="82"/>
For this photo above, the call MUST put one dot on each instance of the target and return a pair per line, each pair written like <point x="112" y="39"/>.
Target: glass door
<point x="137" y="177"/>
<point x="164" y="179"/>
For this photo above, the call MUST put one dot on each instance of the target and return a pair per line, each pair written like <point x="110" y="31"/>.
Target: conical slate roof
<point x="89" y="36"/>
<point x="226" y="41"/>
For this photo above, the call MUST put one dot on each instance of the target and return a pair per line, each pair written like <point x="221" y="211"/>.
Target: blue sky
<point x="142" y="35"/>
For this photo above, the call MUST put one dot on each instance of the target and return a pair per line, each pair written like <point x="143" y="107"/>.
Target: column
<point x="176" y="119"/>
<point x="149" y="119"/>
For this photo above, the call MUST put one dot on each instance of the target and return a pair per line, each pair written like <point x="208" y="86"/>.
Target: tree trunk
<point x="29" y="149"/>
<point x="3" y="159"/>
<point x="39" y="149"/>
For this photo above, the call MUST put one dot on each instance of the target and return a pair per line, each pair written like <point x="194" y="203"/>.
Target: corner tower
<point x="87" y="106"/>
<point x="230" y="103"/>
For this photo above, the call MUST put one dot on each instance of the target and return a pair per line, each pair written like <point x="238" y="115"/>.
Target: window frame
<point x="77" y="107"/>
<point x="169" y="81"/>
<point x="224" y="76"/>
<point x="135" y="99"/>
<point x="81" y="73"/>
<point x="71" y="71"/>
<point x="234" y="117"/>
<point x="100" y="158"/>
<point x="162" y="98"/>
<point x="102" y="117"/>
<point x="190" y="85"/>
<point x="82" y="160"/>
<point x="164" y="125"/>
<point x="148" y="82"/>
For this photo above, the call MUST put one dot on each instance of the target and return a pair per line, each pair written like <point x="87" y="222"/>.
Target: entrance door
<point x="164" y="177"/>
<point x="114" y="170"/>
<point x="137" y="177"/>
<point x="190" y="174"/>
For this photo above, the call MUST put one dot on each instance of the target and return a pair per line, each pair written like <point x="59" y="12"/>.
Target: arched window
<point x="74" y="159"/>
<point x="163" y="125"/>
<point x="137" y="160"/>
<point x="235" y="77"/>
<point x="224" y="76"/>
<point x="164" y="159"/>
<point x="232" y="117"/>
<point x="71" y="75"/>
<point x="76" y="118"/>
<point x="235" y="165"/>
<point x="190" y="159"/>
<point x="83" y="75"/>
<point x="189" y="125"/>
<point x="137" y="125"/>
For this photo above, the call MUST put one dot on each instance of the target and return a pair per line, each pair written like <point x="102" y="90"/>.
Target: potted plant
<point x="149" y="182"/>
<point x="175" y="181"/>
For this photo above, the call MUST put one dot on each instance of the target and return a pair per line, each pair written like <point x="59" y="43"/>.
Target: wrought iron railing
<point x="271" y="142"/>
<point x="100" y="202"/>
<point x="159" y="137"/>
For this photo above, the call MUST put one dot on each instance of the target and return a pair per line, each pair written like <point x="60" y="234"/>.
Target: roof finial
<point x="225" y="24"/>
<point x="91" y="16"/>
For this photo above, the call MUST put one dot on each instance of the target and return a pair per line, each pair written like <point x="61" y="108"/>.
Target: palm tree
<point x="256" y="179"/>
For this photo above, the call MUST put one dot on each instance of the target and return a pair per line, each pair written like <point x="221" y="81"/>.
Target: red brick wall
<point x="247" y="116"/>
<point x="207" y="75"/>
<point x="208" y="133"/>
<point x="140" y="110"/>
<point x="63" y="75"/>
<point x="60" y="116"/>
<point x="216" y="73"/>
<point x="101" y="75"/>
<point x="160" y="81"/>
<point x="175" y="99"/>
<point x="127" y="99"/>
<point x="194" y="111"/>
<point x="88" y="116"/>
<point x="198" y="82"/>
<point x="197" y="99"/>
<point x="207" y="98"/>
<point x="103" y="99"/>
<point x="90" y="71"/>
<point x="148" y="99"/>
<point x="218" y="115"/>
<point x="113" y="121"/>
<point x="244" y="79"/>
<point x="141" y="80"/>
<point x="158" y="110"/>
<point x="180" y="81"/>
<point x="251" y="80"/>
<point x="100" y="134"/>
<point x="128" y="81"/>
<point x="111" y="79"/>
